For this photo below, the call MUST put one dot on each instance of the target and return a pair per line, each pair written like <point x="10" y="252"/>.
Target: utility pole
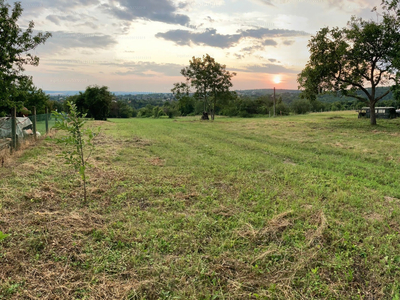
<point x="274" y="103"/>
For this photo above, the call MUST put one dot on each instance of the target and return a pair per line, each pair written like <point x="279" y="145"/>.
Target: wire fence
<point x="44" y="123"/>
<point x="16" y="131"/>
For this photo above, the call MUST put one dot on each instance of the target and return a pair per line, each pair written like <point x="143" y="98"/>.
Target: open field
<point x="302" y="207"/>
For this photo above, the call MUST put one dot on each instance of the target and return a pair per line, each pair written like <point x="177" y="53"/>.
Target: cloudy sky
<point x="141" y="45"/>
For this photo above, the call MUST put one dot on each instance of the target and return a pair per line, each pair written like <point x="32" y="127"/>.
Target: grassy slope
<point x="303" y="207"/>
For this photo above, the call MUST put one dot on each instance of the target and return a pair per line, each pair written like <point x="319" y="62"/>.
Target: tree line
<point x="98" y="103"/>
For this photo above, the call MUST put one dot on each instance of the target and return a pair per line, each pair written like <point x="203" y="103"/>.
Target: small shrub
<point x="77" y="140"/>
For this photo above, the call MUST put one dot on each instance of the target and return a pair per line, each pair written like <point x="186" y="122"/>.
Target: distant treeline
<point x="240" y="103"/>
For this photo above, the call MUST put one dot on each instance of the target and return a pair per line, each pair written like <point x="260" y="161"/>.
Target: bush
<point x="301" y="106"/>
<point x="282" y="109"/>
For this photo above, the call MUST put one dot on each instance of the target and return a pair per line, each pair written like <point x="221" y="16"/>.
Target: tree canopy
<point x="360" y="56"/>
<point x="95" y="102"/>
<point x="209" y="79"/>
<point x="15" y="45"/>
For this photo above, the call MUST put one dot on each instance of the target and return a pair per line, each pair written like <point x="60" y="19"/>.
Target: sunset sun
<point x="277" y="79"/>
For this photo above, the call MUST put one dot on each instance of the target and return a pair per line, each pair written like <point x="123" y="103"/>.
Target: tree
<point x="209" y="79"/>
<point x="95" y="102"/>
<point x="171" y="109"/>
<point x="98" y="101"/>
<point x="36" y="97"/>
<point x="14" y="47"/>
<point x="120" y="109"/>
<point x="301" y="106"/>
<point x="346" y="60"/>
<point x="77" y="142"/>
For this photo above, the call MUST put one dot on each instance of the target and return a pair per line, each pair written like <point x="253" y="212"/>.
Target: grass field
<point x="301" y="207"/>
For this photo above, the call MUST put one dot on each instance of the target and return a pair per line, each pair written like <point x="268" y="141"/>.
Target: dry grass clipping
<point x="274" y="226"/>
<point x="317" y="235"/>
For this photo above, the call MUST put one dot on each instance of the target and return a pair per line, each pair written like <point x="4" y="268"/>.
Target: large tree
<point x="95" y="102"/>
<point x="356" y="58"/>
<point x="15" y="45"/>
<point x="209" y="79"/>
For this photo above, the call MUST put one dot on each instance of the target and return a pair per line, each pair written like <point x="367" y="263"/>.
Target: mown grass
<point x="302" y="207"/>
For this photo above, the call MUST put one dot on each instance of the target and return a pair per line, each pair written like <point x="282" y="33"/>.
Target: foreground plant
<point x="77" y="142"/>
<point x="3" y="236"/>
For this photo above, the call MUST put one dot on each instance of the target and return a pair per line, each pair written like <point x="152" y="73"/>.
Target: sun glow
<point x="277" y="79"/>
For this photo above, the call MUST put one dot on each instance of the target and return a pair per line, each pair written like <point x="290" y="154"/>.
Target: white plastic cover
<point x="5" y="126"/>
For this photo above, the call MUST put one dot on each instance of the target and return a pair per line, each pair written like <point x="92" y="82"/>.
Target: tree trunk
<point x="372" y="113"/>
<point x="214" y="104"/>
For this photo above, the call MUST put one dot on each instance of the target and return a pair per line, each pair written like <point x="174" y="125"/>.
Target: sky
<point x="141" y="46"/>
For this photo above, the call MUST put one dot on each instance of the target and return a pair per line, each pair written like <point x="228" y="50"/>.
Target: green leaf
<point x="3" y="236"/>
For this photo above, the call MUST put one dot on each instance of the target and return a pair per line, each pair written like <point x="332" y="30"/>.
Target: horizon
<point x="125" y="44"/>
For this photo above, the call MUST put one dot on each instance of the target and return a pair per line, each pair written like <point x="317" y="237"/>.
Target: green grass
<point x="300" y="207"/>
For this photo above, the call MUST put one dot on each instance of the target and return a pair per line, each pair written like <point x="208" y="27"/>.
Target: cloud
<point x="288" y="42"/>
<point x="272" y="59"/>
<point x="90" y="24"/>
<point x="81" y="40"/>
<point x="266" y="68"/>
<point x="154" y="10"/>
<point x="210" y="37"/>
<point x="209" y="19"/>
<point x="264" y="2"/>
<point x="62" y="40"/>
<point x="265" y="33"/>
<point x="54" y="19"/>
<point x="147" y="69"/>
<point x="32" y="7"/>
<point x="70" y="18"/>
<point x="123" y="68"/>
<point x="270" y="42"/>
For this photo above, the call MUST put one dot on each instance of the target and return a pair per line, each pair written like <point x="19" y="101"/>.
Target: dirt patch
<point x="288" y="161"/>
<point x="100" y="123"/>
<point x="391" y="199"/>
<point x="340" y="145"/>
<point x="224" y="211"/>
<point x="156" y="161"/>
<point x="374" y="217"/>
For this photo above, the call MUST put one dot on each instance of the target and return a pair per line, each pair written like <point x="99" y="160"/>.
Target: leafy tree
<point x="98" y="101"/>
<point x="36" y="97"/>
<point x="282" y="108"/>
<point x="15" y="45"/>
<point x="56" y="106"/>
<point x="186" y="105"/>
<point x="171" y="109"/>
<point x="208" y="78"/>
<point x="156" y="112"/>
<point x="120" y="109"/>
<point x="146" y="112"/>
<point x="361" y="55"/>
<point x="301" y="106"/>
<point x="95" y="102"/>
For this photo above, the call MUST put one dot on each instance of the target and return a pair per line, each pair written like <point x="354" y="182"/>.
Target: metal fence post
<point x="34" y="122"/>
<point x="47" y="120"/>
<point x="13" y="129"/>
